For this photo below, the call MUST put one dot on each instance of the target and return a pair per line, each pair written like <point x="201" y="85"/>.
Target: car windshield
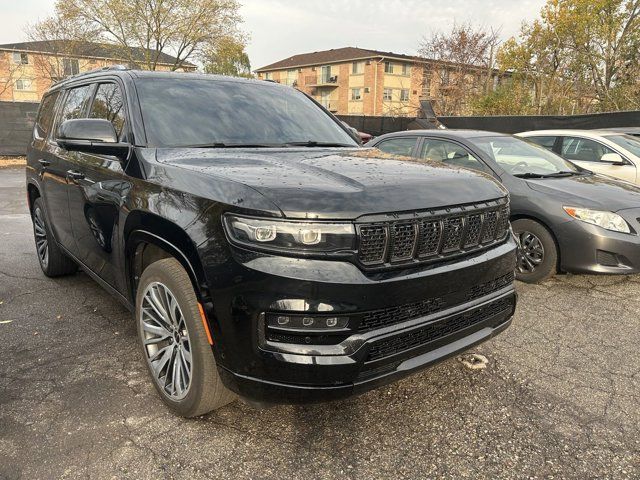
<point x="627" y="142"/>
<point x="521" y="158"/>
<point x="227" y="113"/>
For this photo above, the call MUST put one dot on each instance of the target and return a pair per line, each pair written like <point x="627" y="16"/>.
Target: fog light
<point x="297" y="322"/>
<point x="307" y="321"/>
<point x="282" y="320"/>
<point x="332" y="322"/>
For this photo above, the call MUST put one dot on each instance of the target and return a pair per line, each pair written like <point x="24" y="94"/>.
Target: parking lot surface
<point x="558" y="398"/>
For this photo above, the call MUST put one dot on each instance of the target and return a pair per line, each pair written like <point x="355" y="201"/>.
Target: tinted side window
<point x="449" y="153"/>
<point x="574" y="148"/>
<point x="546" y="142"/>
<point x="46" y="115"/>
<point x="75" y="104"/>
<point x="398" y="146"/>
<point x="108" y="104"/>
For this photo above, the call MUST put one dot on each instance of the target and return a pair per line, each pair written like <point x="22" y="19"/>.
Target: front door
<point x="98" y="192"/>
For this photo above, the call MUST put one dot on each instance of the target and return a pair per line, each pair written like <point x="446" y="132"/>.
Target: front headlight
<point x="290" y="236"/>
<point x="607" y="220"/>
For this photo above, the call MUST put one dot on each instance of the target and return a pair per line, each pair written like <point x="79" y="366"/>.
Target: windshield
<point x="521" y="158"/>
<point x="218" y="113"/>
<point x="627" y="142"/>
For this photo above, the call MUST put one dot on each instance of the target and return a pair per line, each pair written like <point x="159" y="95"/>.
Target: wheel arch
<point x="524" y="216"/>
<point x="149" y="237"/>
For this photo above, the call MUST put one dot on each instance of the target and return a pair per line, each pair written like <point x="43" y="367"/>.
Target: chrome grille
<point x="434" y="235"/>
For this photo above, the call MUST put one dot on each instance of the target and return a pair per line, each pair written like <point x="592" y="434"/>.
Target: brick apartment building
<point x="355" y="81"/>
<point x="28" y="69"/>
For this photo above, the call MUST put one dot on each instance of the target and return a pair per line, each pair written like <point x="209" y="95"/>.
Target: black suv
<point x="263" y="252"/>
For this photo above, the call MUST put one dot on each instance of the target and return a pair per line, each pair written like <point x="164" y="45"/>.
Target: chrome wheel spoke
<point x="530" y="252"/>
<point x="166" y="341"/>
<point x="40" y="232"/>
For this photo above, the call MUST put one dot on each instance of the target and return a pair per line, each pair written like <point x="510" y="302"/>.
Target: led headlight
<point x="607" y="220"/>
<point x="290" y="236"/>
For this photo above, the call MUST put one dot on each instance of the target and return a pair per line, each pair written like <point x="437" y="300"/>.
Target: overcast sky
<point x="281" y="28"/>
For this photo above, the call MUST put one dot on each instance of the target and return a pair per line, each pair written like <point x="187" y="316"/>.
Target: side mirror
<point x="354" y="132"/>
<point x="613" y="159"/>
<point x="91" y="135"/>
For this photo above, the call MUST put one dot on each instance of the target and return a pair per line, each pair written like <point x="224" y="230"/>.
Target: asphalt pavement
<point x="558" y="398"/>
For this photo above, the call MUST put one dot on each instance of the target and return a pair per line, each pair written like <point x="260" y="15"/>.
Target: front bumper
<point x="474" y="307"/>
<point x="586" y="248"/>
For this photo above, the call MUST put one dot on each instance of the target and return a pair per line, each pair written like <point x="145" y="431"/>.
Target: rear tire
<point x="537" y="251"/>
<point x="174" y="342"/>
<point x="53" y="262"/>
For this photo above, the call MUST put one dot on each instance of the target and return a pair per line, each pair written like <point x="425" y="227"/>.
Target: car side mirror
<point x="354" y="132"/>
<point x="613" y="159"/>
<point x="91" y="135"/>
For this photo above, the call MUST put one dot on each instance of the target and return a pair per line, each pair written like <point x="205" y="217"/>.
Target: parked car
<point x="262" y="251"/>
<point x="606" y="152"/>
<point x="565" y="218"/>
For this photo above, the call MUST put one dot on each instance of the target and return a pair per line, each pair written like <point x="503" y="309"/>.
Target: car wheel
<point x="537" y="251"/>
<point x="53" y="262"/>
<point x="174" y="341"/>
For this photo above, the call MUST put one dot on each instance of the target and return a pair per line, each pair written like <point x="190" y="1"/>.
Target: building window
<point x="20" y="58"/>
<point x="406" y="69"/>
<point x="444" y="76"/>
<point x="23" y="84"/>
<point x="267" y="75"/>
<point x="387" y="94"/>
<point x="70" y="66"/>
<point x="388" y="67"/>
<point x="404" y="95"/>
<point x="292" y="77"/>
<point x="357" y="68"/>
<point x="356" y="94"/>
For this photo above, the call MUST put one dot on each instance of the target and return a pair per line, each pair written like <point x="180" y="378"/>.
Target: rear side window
<point x="575" y="148"/>
<point x="46" y="115"/>
<point x="398" y="146"/>
<point x="546" y="142"/>
<point x="108" y="104"/>
<point x="75" y="104"/>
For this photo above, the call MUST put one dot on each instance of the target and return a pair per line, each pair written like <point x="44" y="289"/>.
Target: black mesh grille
<point x="373" y="243"/>
<point x="453" y="230"/>
<point x="389" y="316"/>
<point x="489" y="227"/>
<point x="474" y="228"/>
<point x="440" y="235"/>
<point x="401" y="313"/>
<point x="429" y="237"/>
<point x="436" y="330"/>
<point x="403" y="239"/>
<point x="489" y="287"/>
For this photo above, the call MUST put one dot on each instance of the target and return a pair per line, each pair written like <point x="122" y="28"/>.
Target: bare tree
<point x="463" y="62"/>
<point x="145" y="29"/>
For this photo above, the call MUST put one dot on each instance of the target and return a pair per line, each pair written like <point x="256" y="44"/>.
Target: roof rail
<point x="119" y="68"/>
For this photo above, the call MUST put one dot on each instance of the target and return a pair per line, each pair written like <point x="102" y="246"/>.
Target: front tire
<point x="53" y="262"/>
<point x="174" y="342"/>
<point x="537" y="251"/>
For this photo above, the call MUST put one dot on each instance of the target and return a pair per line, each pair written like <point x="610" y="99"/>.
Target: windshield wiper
<point x="545" y="175"/>
<point x="233" y="145"/>
<point x="313" y="143"/>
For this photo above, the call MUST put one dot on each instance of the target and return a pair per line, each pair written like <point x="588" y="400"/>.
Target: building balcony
<point x="321" y="81"/>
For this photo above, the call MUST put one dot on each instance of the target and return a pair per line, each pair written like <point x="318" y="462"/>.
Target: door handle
<point x="75" y="175"/>
<point x="44" y="163"/>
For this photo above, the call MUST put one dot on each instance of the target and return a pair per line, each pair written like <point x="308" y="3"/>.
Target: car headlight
<point x="607" y="220"/>
<point x="290" y="236"/>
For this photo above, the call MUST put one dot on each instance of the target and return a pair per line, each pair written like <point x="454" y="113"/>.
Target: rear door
<point x="99" y="189"/>
<point x="588" y="154"/>
<point x="74" y="103"/>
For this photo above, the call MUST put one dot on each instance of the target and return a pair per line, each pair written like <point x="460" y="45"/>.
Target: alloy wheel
<point x="530" y="252"/>
<point x="42" y="243"/>
<point x="166" y="341"/>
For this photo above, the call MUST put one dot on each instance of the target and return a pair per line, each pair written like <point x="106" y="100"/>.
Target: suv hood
<point x="337" y="183"/>
<point x="590" y="191"/>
